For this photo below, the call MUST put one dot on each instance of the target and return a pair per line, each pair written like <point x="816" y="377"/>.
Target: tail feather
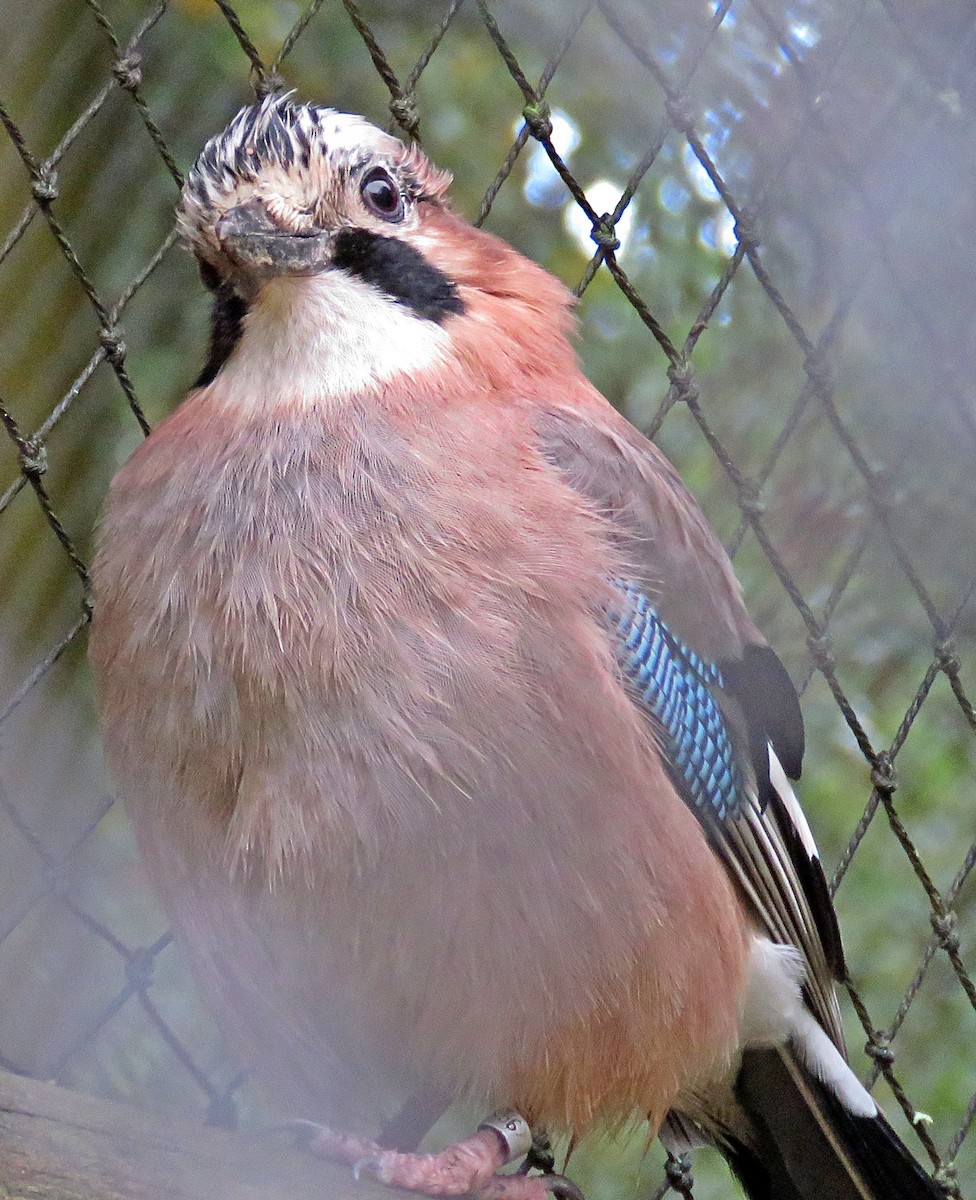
<point x="806" y="1145"/>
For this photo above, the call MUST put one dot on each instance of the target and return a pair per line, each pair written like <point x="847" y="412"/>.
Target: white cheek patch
<point x="321" y="338"/>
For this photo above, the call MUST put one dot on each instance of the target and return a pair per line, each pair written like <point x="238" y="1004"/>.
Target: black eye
<point x="381" y="195"/>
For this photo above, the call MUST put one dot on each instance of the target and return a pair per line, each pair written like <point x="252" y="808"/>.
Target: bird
<point x="461" y="770"/>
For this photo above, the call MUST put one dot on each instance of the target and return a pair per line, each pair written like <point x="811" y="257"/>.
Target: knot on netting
<point x="881" y="482"/>
<point x="404" y="112"/>
<point x="269" y="83"/>
<point x="822" y="651"/>
<point x="113" y="345"/>
<point x="945" y="652"/>
<point x="878" y="1047"/>
<point x="678" y="1170"/>
<point x="817" y="367"/>
<point x="57" y="875"/>
<point x="127" y="70"/>
<point x="604" y="233"/>
<point x="139" y="967"/>
<point x="883" y="777"/>
<point x="745" y="228"/>
<point x="222" y="1112"/>
<point x="45" y="185"/>
<point x="33" y="457"/>
<point x="944" y="925"/>
<point x="538" y="117"/>
<point x="680" y="113"/>
<point x="948" y="1176"/>
<point x="749" y="500"/>
<point x="682" y="380"/>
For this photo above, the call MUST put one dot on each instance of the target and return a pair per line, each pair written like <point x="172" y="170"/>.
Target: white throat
<point x="322" y="338"/>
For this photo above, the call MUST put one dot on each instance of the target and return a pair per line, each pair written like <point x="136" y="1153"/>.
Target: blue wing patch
<point x="677" y="686"/>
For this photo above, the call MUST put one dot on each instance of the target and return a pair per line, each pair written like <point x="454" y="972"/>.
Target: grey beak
<point x="252" y="241"/>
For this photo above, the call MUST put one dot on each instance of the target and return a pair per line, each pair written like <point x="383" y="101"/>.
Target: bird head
<point x="331" y="244"/>
<point x="297" y="189"/>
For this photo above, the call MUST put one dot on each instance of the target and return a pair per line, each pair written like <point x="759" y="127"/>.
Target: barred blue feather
<point x="678" y="688"/>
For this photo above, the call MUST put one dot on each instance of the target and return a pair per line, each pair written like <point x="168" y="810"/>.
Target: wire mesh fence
<point x="767" y="211"/>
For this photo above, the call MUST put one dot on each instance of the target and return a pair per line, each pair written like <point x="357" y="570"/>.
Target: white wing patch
<point x="825" y="1062"/>
<point x="773" y="1001"/>
<point x="756" y="849"/>
<point x="777" y="777"/>
<point x="775" y="1014"/>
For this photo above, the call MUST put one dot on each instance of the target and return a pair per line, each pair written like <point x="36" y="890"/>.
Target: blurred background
<point x="767" y="209"/>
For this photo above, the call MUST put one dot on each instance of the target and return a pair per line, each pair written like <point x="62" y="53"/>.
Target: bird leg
<point x="467" y="1168"/>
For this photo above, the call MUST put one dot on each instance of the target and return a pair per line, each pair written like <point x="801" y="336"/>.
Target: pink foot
<point x="465" y="1169"/>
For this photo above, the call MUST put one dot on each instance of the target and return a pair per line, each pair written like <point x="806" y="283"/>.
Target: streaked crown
<point x="307" y="166"/>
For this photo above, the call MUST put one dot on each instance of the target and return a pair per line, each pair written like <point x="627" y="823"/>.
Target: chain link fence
<point x="767" y="210"/>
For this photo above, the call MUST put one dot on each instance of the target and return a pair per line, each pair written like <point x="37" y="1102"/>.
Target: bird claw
<point x="528" y="1187"/>
<point x="561" y="1187"/>
<point x="465" y="1169"/>
<point x="303" y="1132"/>
<point x="371" y="1164"/>
<point x="332" y="1144"/>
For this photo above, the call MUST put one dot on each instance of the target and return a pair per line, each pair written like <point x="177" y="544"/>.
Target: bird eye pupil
<point x="381" y="195"/>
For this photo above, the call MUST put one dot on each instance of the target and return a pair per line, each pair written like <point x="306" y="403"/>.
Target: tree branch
<point x="61" y="1145"/>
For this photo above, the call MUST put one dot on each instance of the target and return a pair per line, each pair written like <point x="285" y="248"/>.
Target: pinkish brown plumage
<point x="358" y="685"/>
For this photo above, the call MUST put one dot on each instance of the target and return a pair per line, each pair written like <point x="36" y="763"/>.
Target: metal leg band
<point x="514" y="1131"/>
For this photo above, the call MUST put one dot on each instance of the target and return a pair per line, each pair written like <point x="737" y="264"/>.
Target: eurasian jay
<point x="450" y="746"/>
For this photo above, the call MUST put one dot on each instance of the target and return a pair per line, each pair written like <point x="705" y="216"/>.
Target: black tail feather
<point x="806" y="1145"/>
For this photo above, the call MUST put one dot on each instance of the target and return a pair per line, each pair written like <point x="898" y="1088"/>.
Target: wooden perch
<point x="61" y="1145"/>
